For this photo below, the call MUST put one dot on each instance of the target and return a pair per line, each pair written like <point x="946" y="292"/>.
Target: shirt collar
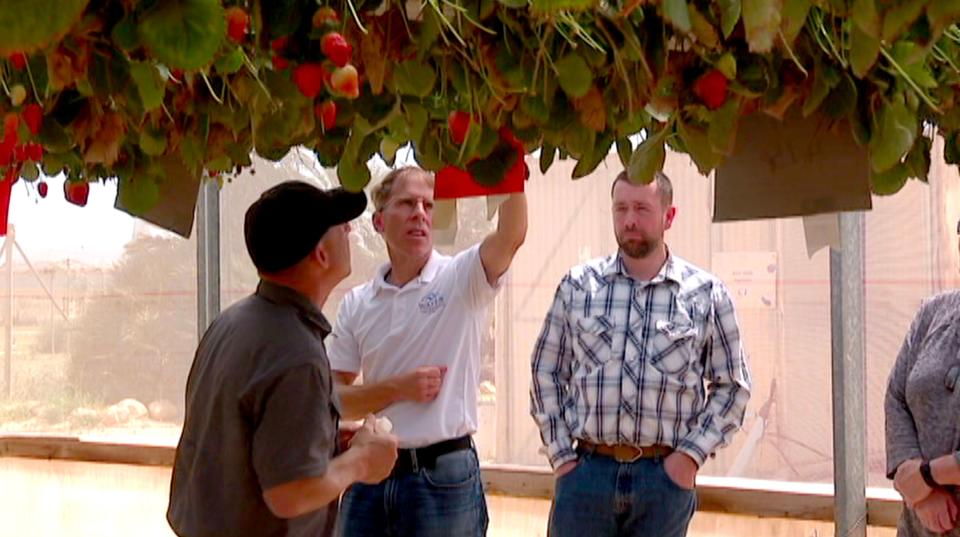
<point x="281" y="294"/>
<point x="427" y="273"/>
<point x="613" y="267"/>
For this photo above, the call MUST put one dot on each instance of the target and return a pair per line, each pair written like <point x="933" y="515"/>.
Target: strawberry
<point x="42" y="189"/>
<point x="34" y="151"/>
<point x="279" y="63"/>
<point x="19" y="153"/>
<point x="711" y="89"/>
<point x="237" y="23"/>
<point x="344" y="81"/>
<point x="33" y="116"/>
<point x="279" y="44"/>
<point x="76" y="192"/>
<point x="309" y="78"/>
<point x="459" y="123"/>
<point x="327" y="114"/>
<point x="325" y="16"/>
<point x="335" y="47"/>
<point x="19" y="61"/>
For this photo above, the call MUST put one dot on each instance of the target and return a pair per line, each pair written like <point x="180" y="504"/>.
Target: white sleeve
<point x="473" y="277"/>
<point x="343" y="349"/>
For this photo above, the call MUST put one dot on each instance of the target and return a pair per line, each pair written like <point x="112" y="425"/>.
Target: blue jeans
<point x="444" y="501"/>
<point x="601" y="497"/>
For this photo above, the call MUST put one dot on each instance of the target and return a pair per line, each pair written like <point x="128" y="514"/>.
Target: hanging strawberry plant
<point x="115" y="89"/>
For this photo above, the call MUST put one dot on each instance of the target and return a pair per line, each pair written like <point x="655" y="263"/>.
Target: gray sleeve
<point x="901" y="432"/>
<point x="295" y="431"/>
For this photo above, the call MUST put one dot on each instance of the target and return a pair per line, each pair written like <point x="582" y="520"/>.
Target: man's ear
<point x="378" y="221"/>
<point x="320" y="254"/>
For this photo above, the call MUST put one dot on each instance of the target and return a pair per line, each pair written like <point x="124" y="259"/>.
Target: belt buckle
<point x="622" y="453"/>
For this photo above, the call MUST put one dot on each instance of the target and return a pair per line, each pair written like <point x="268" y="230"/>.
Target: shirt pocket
<point x="672" y="347"/>
<point x="595" y="339"/>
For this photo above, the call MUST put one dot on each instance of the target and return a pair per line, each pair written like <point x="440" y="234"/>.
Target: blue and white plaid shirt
<point x="622" y="361"/>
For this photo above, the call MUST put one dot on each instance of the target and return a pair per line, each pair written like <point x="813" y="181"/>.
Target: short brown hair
<point x="381" y="192"/>
<point x="664" y="186"/>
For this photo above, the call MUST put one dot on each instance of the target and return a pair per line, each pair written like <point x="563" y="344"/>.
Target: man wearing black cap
<point x="258" y="452"/>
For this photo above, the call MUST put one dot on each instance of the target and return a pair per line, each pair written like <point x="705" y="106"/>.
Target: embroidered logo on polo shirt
<point x="431" y="302"/>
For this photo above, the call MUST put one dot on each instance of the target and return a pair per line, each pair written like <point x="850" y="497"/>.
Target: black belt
<point x="412" y="460"/>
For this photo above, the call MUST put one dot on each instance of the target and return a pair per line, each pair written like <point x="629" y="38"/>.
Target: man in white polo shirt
<point x="414" y="332"/>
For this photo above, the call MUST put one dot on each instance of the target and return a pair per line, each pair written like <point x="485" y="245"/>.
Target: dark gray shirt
<point x="923" y="396"/>
<point x="260" y="412"/>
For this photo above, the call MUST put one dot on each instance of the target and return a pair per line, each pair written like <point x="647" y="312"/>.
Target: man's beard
<point x="637" y="248"/>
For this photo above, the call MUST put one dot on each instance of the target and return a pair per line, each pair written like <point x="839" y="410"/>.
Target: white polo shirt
<point x="436" y="319"/>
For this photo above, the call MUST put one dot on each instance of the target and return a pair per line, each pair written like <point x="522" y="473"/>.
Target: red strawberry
<point x="327" y="114"/>
<point x="458" y="122"/>
<point x="279" y="63"/>
<point x="35" y="151"/>
<point x="237" y="23"/>
<point x="325" y="15"/>
<point x="19" y="61"/>
<point x="335" y="47"/>
<point x="279" y="44"/>
<point x="76" y="192"/>
<point x="33" y="117"/>
<point x="309" y="78"/>
<point x="711" y="89"/>
<point x="345" y="81"/>
<point x="42" y="189"/>
<point x="19" y="153"/>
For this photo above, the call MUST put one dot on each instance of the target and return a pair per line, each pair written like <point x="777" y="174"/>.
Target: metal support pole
<point x="8" y="312"/>
<point x="208" y="255"/>
<point x="849" y="379"/>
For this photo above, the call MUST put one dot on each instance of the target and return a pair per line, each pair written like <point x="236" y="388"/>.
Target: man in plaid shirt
<point x="638" y="377"/>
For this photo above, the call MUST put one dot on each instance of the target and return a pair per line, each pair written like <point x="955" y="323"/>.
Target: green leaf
<point x="32" y="24"/>
<point x="534" y="107"/>
<point x="124" y="34"/>
<point x="417" y="120"/>
<point x="942" y="13"/>
<point x="601" y="149"/>
<point x="703" y="28"/>
<point x="574" y="75"/>
<point x="727" y="64"/>
<point x="698" y="147"/>
<point x="414" y="78"/>
<point x="184" y="34"/>
<point x="793" y="18"/>
<point x="515" y="4"/>
<point x="624" y="150"/>
<point x="893" y="135"/>
<point x="354" y="175"/>
<point x="554" y="6"/>
<point x="648" y="158"/>
<point x="139" y="193"/>
<point x="761" y="20"/>
<point x="825" y="78"/>
<point x="491" y="170"/>
<point x="547" y="154"/>
<point x="864" y="49"/>
<point x="918" y="159"/>
<point x="153" y="142"/>
<point x="230" y="62"/>
<point x="579" y="140"/>
<point x="899" y="17"/>
<point x="842" y="100"/>
<point x="722" y="131"/>
<point x="889" y="182"/>
<point x="729" y="16"/>
<point x="951" y="148"/>
<point x="429" y="32"/>
<point x="149" y="84"/>
<point x="866" y="18"/>
<point x="678" y="14"/>
<point x="912" y="59"/>
<point x="30" y="171"/>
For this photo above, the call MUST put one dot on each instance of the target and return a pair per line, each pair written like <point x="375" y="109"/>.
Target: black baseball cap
<point x="289" y="219"/>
